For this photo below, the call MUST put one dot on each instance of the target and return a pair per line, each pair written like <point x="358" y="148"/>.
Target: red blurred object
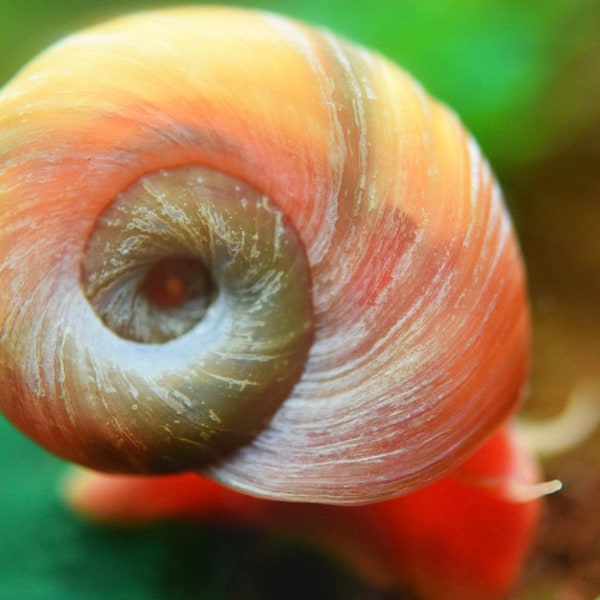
<point x="463" y="537"/>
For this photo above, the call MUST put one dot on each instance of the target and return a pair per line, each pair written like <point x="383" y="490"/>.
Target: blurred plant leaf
<point x="48" y="553"/>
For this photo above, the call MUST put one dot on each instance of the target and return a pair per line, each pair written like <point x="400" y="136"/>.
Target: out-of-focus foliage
<point x="47" y="553"/>
<point x="505" y="65"/>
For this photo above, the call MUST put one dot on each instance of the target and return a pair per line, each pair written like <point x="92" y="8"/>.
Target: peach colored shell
<point x="421" y="328"/>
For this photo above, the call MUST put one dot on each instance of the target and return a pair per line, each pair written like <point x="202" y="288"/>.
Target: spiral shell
<point x="340" y="313"/>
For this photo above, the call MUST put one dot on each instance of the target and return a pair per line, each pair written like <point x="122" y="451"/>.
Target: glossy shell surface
<point x="419" y="312"/>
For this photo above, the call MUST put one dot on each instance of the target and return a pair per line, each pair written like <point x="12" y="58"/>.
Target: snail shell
<point x="236" y="244"/>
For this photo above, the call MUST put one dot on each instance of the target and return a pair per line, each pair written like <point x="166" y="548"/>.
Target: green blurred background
<point x="524" y="75"/>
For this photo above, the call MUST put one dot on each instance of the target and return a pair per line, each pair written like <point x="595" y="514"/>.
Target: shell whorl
<point x="412" y="322"/>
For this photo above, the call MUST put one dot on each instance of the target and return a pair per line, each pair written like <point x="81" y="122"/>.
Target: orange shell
<point x="421" y="319"/>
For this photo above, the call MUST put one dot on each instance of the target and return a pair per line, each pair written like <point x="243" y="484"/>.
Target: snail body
<point x="337" y="224"/>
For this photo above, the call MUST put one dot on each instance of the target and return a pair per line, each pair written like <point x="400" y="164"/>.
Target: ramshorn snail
<point x="236" y="244"/>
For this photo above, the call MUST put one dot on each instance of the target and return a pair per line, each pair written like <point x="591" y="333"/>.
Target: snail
<point x="235" y="245"/>
<point x="238" y="245"/>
